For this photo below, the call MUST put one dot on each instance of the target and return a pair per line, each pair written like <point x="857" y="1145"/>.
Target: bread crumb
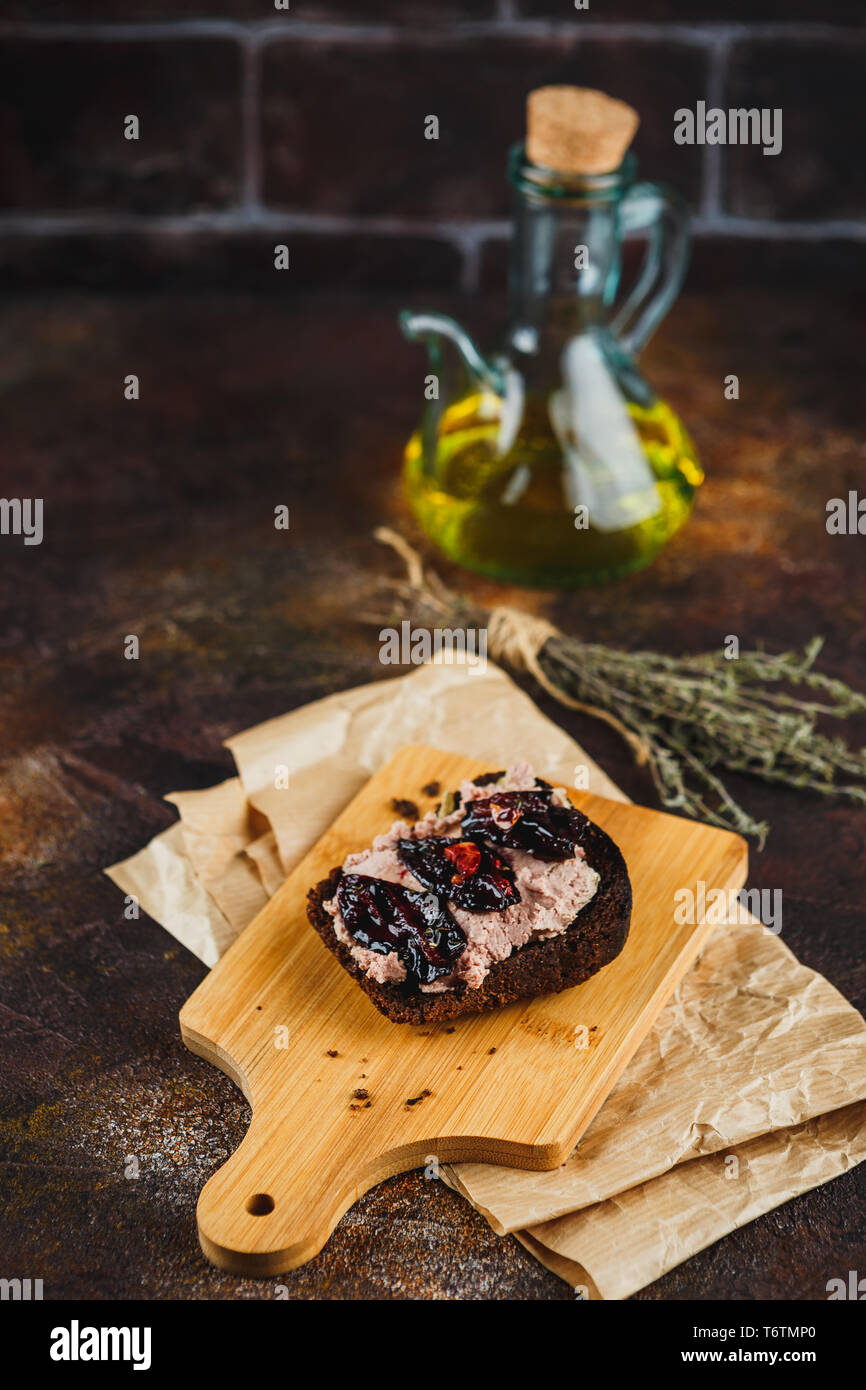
<point x="414" y="1100"/>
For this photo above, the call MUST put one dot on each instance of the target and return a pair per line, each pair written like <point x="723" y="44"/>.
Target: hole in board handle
<point x="260" y="1204"/>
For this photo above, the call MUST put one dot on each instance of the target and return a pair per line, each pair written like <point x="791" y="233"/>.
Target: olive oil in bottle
<point x="554" y="462"/>
<point x="518" y="516"/>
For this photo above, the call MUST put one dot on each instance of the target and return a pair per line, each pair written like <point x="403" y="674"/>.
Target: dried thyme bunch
<point x="685" y="717"/>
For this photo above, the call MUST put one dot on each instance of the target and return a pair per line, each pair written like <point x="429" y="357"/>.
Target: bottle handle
<point x="662" y="213"/>
<point x="430" y="327"/>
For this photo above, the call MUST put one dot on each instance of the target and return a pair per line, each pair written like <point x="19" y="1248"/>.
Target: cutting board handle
<point x="271" y="1207"/>
<point x="511" y="1087"/>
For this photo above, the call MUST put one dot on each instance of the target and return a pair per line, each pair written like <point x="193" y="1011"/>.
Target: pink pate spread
<point x="552" y="892"/>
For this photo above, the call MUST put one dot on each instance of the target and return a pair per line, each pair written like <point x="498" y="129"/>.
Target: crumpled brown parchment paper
<point x="748" y="1089"/>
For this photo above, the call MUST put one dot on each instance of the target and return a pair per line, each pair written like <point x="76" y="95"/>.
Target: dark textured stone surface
<point x="420" y="13"/>
<point x="62" y="109"/>
<point x="158" y="517"/>
<point x="695" y="11"/>
<point x="720" y="262"/>
<point x="818" y="85"/>
<point x="339" y="112"/>
<point x="315" y="11"/>
<point x="142" y="259"/>
<point x="147" y="260"/>
<point x="343" y="124"/>
<point x="416" y="13"/>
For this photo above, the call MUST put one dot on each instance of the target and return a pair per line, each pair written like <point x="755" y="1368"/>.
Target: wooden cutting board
<point x="517" y="1086"/>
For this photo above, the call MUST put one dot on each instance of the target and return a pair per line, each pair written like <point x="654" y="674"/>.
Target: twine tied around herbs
<point x="518" y="639"/>
<point x="681" y="716"/>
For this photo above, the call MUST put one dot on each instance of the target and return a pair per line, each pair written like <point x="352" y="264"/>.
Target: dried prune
<point x="466" y="871"/>
<point x="526" y="820"/>
<point x="388" y="917"/>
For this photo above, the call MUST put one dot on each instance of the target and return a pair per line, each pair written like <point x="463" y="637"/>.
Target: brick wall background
<point x="306" y="127"/>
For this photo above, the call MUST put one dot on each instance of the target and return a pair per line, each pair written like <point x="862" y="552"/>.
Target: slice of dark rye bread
<point x="595" y="937"/>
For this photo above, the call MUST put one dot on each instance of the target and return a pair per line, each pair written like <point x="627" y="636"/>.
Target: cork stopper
<point x="576" y="130"/>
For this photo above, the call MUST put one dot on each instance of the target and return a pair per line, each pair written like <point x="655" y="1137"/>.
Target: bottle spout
<point x="430" y="328"/>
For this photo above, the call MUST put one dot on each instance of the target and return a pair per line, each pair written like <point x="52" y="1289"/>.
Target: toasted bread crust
<point x="595" y="937"/>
